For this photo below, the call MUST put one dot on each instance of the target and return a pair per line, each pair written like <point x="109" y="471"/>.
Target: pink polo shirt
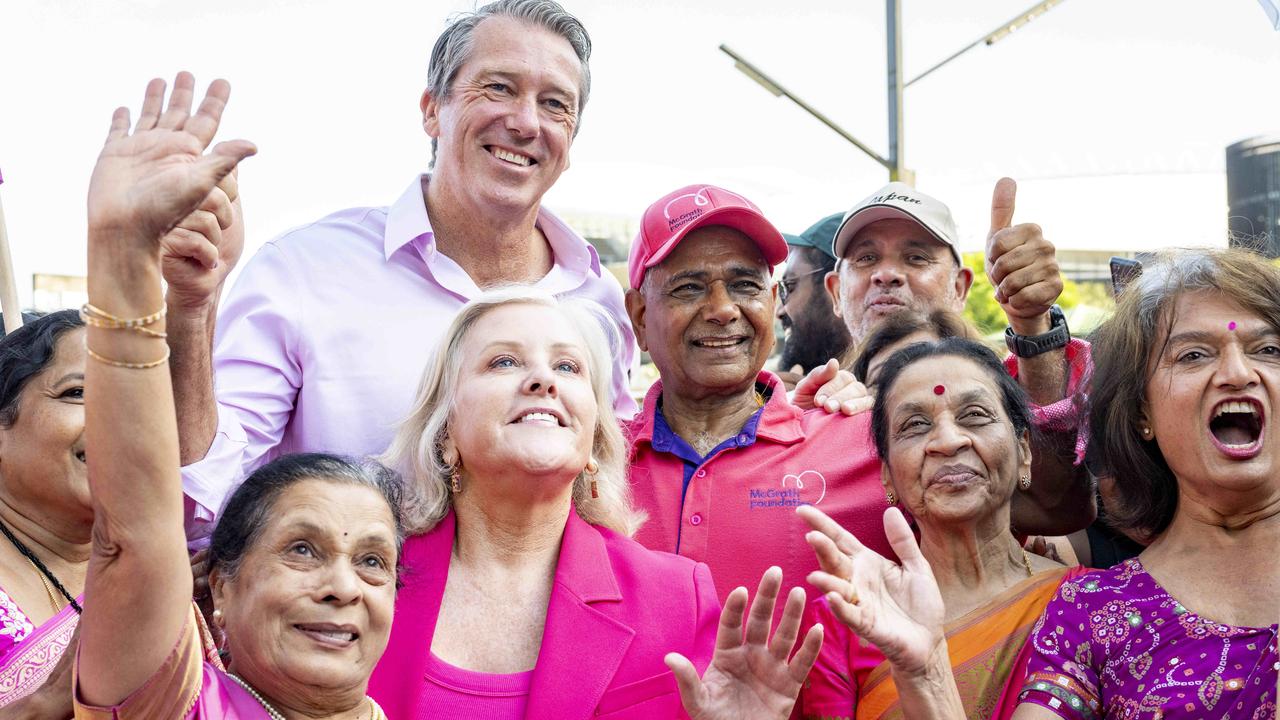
<point x="322" y="341"/>
<point x="738" y="513"/>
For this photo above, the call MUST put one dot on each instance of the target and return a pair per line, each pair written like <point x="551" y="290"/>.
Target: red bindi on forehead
<point x="939" y="389"/>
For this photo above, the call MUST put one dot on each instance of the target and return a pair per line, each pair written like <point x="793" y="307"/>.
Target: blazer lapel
<point x="397" y="680"/>
<point x="582" y="647"/>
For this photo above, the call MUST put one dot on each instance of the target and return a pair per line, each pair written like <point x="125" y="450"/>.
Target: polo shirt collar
<point x="407" y="221"/>
<point x="780" y="421"/>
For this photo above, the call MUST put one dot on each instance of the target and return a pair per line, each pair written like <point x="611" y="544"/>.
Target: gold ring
<point x="851" y="597"/>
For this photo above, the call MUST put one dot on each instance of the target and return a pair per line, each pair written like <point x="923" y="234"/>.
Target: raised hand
<point x="896" y="607"/>
<point x="199" y="253"/>
<point x="1021" y="264"/>
<point x="749" y="677"/>
<point x="832" y="389"/>
<point x="147" y="181"/>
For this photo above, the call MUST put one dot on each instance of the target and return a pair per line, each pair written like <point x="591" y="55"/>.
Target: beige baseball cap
<point x="900" y="200"/>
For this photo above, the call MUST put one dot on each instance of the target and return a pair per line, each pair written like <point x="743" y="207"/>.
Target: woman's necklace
<point x="48" y="590"/>
<point x="275" y="714"/>
<point x="46" y="575"/>
<point x="1026" y="562"/>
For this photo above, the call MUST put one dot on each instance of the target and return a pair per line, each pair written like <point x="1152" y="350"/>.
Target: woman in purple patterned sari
<point x="45" y="513"/>
<point x="1186" y="388"/>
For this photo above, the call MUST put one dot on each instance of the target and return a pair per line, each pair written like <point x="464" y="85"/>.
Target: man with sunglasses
<point x="812" y="332"/>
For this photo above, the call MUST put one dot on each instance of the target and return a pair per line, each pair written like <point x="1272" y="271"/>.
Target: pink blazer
<point x="616" y="609"/>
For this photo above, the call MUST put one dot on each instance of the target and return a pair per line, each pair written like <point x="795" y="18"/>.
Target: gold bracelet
<point x="128" y="365"/>
<point x="99" y="318"/>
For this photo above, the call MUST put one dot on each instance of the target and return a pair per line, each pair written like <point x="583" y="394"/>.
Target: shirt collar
<point x="779" y="422"/>
<point x="407" y="221"/>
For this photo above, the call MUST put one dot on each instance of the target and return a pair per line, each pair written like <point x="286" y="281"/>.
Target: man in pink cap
<point x="720" y="457"/>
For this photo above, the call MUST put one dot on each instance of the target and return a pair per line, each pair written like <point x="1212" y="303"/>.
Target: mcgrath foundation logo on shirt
<point x="805" y="488"/>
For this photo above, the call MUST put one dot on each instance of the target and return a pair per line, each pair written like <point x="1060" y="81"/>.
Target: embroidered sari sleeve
<point x="170" y="693"/>
<point x="1063" y="669"/>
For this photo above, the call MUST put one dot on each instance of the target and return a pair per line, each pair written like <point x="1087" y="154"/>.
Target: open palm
<point x="749" y="677"/>
<point x="895" y="606"/>
<point x="147" y="181"/>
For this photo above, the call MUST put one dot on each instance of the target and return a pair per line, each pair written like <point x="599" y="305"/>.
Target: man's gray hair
<point x="453" y="47"/>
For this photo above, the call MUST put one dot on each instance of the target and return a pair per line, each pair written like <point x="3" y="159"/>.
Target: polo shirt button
<point x="700" y="473"/>
<point x="696" y="519"/>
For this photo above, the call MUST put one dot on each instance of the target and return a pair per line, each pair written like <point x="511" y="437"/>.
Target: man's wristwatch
<point x="1029" y="346"/>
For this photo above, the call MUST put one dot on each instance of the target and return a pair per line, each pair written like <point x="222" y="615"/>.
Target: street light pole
<point x="777" y="90"/>
<point x="895" y="163"/>
<point x="893" y="64"/>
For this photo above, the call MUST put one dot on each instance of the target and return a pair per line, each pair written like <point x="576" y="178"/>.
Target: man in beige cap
<point x="897" y="251"/>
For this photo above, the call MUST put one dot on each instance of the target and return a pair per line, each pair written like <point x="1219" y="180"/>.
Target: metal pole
<point x="768" y="83"/>
<point x="893" y="42"/>
<point x="992" y="37"/>
<point x="8" y="286"/>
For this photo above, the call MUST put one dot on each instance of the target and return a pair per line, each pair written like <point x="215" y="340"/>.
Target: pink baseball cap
<point x="667" y="222"/>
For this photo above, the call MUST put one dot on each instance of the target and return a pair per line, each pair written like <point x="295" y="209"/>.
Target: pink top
<point x="322" y="341"/>
<point x="454" y="692"/>
<point x="615" y="611"/>
<point x="746" y="497"/>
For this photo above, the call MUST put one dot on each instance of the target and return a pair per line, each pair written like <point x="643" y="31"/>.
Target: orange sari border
<point x="979" y="645"/>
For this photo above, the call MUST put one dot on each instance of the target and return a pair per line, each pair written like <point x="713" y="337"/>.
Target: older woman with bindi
<point x="524" y="596"/>
<point x="45" y="513"/>
<point x="304" y="556"/>
<point x="1187" y="629"/>
<point x="953" y="431"/>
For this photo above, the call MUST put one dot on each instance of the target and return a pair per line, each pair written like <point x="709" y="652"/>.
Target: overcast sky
<point x="1114" y="116"/>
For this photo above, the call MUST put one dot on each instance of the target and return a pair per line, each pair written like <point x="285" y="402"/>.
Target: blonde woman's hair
<point x="417" y="450"/>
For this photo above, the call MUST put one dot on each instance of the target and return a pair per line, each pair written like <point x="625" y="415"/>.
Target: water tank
<point x="1253" y="194"/>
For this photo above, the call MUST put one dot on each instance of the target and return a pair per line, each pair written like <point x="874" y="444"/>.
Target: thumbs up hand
<point x="1021" y="265"/>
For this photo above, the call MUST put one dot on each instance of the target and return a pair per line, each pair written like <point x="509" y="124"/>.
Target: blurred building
<point x="1253" y="194"/>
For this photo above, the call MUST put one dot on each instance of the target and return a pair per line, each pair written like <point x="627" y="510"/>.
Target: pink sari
<point x="28" y="654"/>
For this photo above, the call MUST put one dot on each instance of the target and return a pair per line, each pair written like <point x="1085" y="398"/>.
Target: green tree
<point x="983" y="310"/>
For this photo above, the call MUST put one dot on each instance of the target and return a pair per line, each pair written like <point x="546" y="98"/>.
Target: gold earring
<point x="455" y="480"/>
<point x="1146" y="433"/>
<point x="889" y="496"/>
<point x="1024" y="481"/>
<point x="592" y="468"/>
<point x="216" y="617"/>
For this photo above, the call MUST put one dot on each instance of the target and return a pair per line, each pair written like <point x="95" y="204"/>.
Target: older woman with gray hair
<point x="1187" y="629"/>
<point x="523" y="595"/>
<point x="304" y="557"/>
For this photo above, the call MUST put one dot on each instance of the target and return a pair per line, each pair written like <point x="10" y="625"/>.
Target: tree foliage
<point x="983" y="311"/>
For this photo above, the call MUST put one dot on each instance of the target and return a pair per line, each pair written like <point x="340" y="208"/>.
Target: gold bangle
<point x="128" y="365"/>
<point x="97" y="317"/>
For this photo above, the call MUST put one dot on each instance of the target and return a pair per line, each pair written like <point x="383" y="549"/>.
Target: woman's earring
<point x="1024" y="481"/>
<point x="1146" y="433"/>
<point x="455" y="480"/>
<point x="592" y="468"/>
<point x="216" y="617"/>
<point x="890" y="497"/>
